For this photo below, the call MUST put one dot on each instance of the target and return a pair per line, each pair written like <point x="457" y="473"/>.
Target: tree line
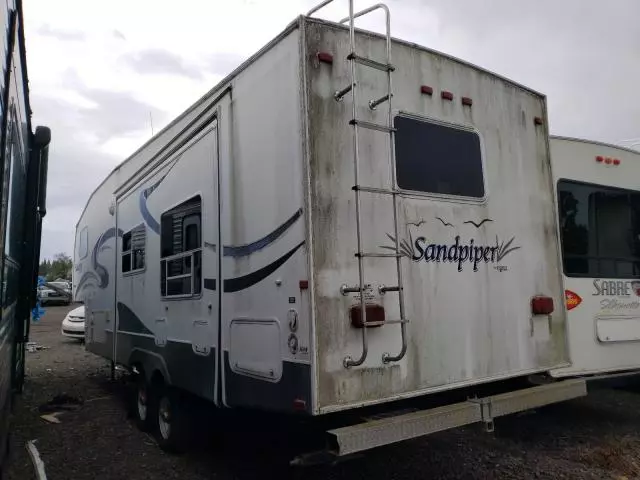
<point x="59" y="267"/>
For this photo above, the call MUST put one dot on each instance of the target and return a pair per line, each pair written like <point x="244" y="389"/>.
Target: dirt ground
<point x="597" y="437"/>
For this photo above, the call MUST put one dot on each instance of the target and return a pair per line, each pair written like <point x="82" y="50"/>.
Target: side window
<point x="83" y="243"/>
<point x="600" y="230"/>
<point x="437" y="158"/>
<point x="134" y="244"/>
<point x="15" y="175"/>
<point x="181" y="250"/>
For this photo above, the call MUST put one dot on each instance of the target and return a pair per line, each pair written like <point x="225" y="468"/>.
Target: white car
<point x="49" y="296"/>
<point x="73" y="323"/>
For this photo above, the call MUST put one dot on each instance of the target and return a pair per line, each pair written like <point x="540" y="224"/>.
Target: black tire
<point x="173" y="422"/>
<point x="143" y="403"/>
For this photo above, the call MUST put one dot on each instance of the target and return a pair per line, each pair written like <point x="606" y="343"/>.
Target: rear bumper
<point x="376" y="433"/>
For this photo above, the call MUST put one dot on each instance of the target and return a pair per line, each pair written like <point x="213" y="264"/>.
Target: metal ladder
<point x="358" y="189"/>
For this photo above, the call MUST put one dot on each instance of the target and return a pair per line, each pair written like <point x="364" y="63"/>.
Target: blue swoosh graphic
<point x="151" y="222"/>
<point x="100" y="270"/>
<point x="231" y="285"/>
<point x="101" y="274"/>
<point x="228" y="251"/>
<point x="248" y="249"/>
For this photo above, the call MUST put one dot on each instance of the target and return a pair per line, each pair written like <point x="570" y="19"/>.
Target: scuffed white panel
<point x="255" y="348"/>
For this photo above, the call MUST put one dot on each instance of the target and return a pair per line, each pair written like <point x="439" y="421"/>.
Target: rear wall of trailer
<point x="468" y="324"/>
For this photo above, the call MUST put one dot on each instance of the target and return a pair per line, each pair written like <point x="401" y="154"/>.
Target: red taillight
<point x="304" y="284"/>
<point x="299" y="405"/>
<point x="572" y="299"/>
<point x="599" y="159"/>
<point x="446" y="95"/>
<point x="426" y="90"/>
<point x="537" y="120"/>
<point x="542" y="305"/>
<point x="616" y="161"/>
<point x="468" y="101"/>
<point x="375" y="315"/>
<point x="325" y="57"/>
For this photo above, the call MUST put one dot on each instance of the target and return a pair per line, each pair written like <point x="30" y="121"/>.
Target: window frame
<point x="597" y="258"/>
<point x="14" y="152"/>
<point x="192" y="254"/>
<point x="442" y="196"/>
<point x="85" y="245"/>
<point x="133" y="271"/>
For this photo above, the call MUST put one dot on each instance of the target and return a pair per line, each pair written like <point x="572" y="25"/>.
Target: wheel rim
<point x="164" y="418"/>
<point x="142" y="403"/>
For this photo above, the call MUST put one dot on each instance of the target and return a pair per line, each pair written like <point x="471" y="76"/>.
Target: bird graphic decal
<point x="446" y="224"/>
<point x="478" y="225"/>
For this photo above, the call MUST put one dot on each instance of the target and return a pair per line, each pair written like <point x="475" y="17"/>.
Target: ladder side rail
<point x="318" y="7"/>
<point x="348" y="361"/>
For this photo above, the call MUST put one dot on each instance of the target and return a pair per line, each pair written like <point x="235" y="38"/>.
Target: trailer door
<point x="168" y="296"/>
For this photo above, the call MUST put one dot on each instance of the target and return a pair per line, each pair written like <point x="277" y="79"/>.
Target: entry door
<point x="186" y="328"/>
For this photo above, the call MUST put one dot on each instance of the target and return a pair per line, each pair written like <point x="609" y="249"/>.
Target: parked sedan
<point x="73" y="324"/>
<point x="60" y="296"/>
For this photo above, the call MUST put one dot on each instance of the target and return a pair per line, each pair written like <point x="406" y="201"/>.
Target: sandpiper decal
<point x="461" y="251"/>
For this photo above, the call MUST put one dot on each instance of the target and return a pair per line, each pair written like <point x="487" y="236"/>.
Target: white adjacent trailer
<point x="303" y="239"/>
<point x="599" y="214"/>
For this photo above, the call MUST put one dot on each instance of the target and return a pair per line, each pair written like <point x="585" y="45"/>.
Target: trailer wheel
<point x="173" y="425"/>
<point x="144" y="404"/>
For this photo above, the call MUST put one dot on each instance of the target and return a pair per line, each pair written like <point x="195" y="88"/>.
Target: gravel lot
<point x="593" y="438"/>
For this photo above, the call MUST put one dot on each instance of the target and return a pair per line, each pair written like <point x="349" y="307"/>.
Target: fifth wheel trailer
<point x="599" y="214"/>
<point x="346" y="220"/>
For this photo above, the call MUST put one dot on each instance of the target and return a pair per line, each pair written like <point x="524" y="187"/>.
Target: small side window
<point x="438" y="158"/>
<point x="133" y="250"/>
<point x="83" y="243"/>
<point x="181" y="250"/>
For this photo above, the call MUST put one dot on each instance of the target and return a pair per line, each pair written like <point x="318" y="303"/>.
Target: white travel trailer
<point x="599" y="214"/>
<point x="238" y="254"/>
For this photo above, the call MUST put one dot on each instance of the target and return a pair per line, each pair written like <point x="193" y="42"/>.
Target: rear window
<point x="600" y="230"/>
<point x="438" y="158"/>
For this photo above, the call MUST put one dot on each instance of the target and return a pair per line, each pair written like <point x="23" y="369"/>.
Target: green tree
<point x="59" y="267"/>
<point x="45" y="267"/>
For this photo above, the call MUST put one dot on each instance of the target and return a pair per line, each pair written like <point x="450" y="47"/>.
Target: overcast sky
<point x="102" y="71"/>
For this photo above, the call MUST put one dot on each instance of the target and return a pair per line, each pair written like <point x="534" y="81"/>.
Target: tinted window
<point x="133" y="249"/>
<point x="16" y="177"/>
<point x="600" y="230"/>
<point x="180" y="246"/>
<point x="83" y="243"/>
<point x="436" y="158"/>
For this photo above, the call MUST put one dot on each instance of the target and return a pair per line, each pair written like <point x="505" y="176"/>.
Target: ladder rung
<point x="371" y="126"/>
<point x="387" y="322"/>
<point x="363" y="188"/>
<point x="399" y="320"/>
<point x="367" y="62"/>
<point x="389" y="289"/>
<point x="339" y="95"/>
<point x="378" y="255"/>
<point x="373" y="104"/>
